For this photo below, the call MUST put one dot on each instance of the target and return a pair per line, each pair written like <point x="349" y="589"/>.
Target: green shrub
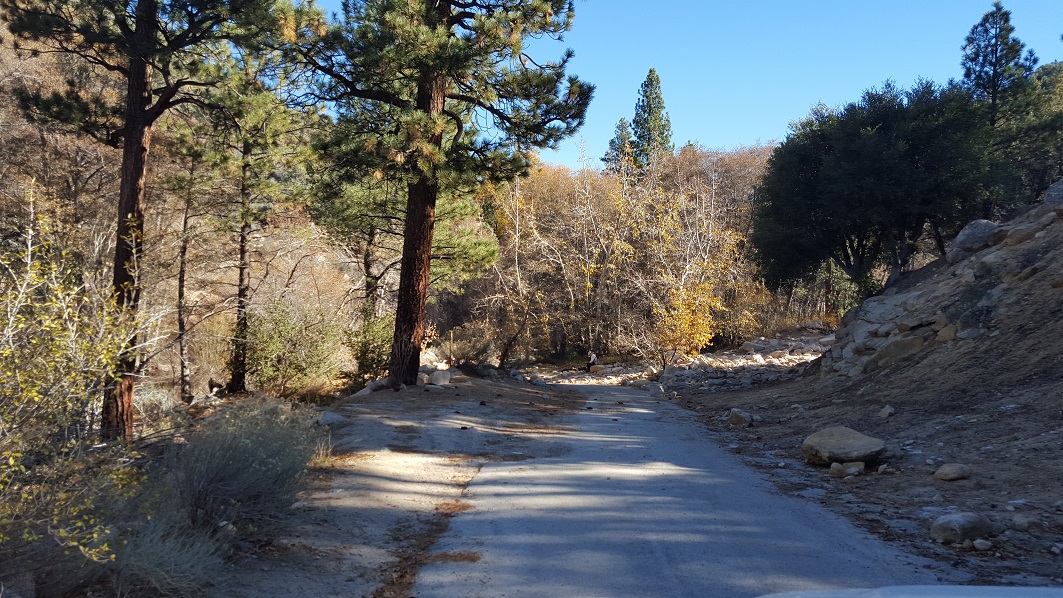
<point x="243" y="463"/>
<point x="291" y="346"/>
<point x="59" y="340"/>
<point x="370" y="344"/>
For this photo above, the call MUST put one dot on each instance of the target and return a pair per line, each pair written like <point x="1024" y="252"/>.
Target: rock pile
<point x="757" y="361"/>
<point x="983" y="261"/>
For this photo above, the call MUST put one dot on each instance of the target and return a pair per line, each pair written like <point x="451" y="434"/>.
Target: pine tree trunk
<point x="182" y="315"/>
<point x="238" y="362"/>
<point x="416" y="251"/>
<point x="413" y="282"/>
<point x="117" y="416"/>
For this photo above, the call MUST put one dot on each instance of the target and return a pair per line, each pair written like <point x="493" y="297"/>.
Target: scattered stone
<point x="737" y="417"/>
<point x="950" y="472"/>
<point x="1020" y="235"/>
<point x="948" y="333"/>
<point x="759" y="359"/>
<point x="982" y="545"/>
<point x="423" y="379"/>
<point x="841" y="444"/>
<point x="433" y="387"/>
<point x="957" y="527"/>
<point x="597" y="369"/>
<point x="330" y="418"/>
<point x="1026" y="523"/>
<point x="539" y="382"/>
<point x="971" y="334"/>
<point x="846" y="470"/>
<point x="887" y="412"/>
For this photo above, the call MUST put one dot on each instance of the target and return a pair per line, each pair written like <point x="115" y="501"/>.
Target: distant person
<point x="592" y="359"/>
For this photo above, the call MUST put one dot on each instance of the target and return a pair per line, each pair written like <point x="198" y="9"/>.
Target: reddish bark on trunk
<point x="416" y="251"/>
<point x="117" y="416"/>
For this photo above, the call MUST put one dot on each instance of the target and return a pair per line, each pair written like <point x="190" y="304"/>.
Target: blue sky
<point x="738" y="72"/>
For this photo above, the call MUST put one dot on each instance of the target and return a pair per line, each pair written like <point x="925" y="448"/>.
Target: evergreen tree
<point x="860" y="186"/>
<point x="651" y="127"/>
<point x="155" y="47"/>
<point x="412" y="79"/>
<point x="994" y="66"/>
<point x="620" y="156"/>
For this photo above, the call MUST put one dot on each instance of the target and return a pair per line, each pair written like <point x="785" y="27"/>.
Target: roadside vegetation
<point x="214" y="213"/>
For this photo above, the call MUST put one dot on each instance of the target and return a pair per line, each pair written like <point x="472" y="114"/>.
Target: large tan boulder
<point x="957" y="527"/>
<point x="841" y="445"/>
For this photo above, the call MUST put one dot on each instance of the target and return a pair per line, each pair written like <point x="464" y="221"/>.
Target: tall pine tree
<point x="651" y="127"/>
<point x="155" y="46"/>
<point x="994" y="66"/>
<point x="412" y="80"/>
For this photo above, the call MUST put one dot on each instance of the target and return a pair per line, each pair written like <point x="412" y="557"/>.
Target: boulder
<point x="597" y="369"/>
<point x="372" y="387"/>
<point x="978" y="234"/>
<point x="737" y="417"/>
<point x="439" y="378"/>
<point x="894" y="351"/>
<point x="950" y="472"/>
<point x="887" y="412"/>
<point x="423" y="379"/>
<point x="955" y="528"/>
<point x="1054" y="195"/>
<point x="841" y="444"/>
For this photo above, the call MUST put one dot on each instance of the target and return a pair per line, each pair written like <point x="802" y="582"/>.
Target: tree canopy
<point x="442" y="95"/>
<point x="156" y="48"/>
<point x="860" y="185"/>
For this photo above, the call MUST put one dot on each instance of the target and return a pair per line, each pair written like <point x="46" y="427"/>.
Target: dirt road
<point x="636" y="499"/>
<point x="502" y="489"/>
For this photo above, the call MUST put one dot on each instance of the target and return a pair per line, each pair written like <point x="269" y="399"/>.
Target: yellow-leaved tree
<point x="59" y="341"/>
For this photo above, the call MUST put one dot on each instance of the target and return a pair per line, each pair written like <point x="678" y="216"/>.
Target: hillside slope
<point x="967" y="355"/>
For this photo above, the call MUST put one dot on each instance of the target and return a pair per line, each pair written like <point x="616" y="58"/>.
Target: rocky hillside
<point x="961" y="365"/>
<point x="989" y="318"/>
